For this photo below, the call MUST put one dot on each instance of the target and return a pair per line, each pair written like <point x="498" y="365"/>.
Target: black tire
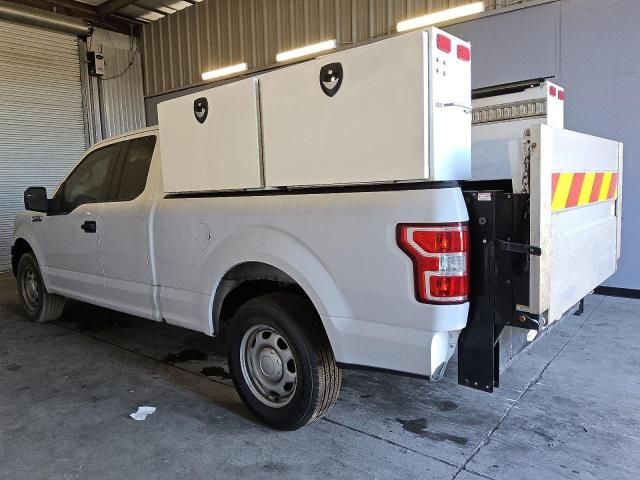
<point x="318" y="378"/>
<point x="38" y="304"/>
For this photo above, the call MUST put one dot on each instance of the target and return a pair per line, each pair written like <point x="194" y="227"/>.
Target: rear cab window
<point x="132" y="171"/>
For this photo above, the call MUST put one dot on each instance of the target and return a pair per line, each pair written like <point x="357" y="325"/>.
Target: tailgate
<point x="575" y="192"/>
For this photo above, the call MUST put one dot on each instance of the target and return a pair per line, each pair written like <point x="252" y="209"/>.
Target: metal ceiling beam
<point x="72" y="4"/>
<point x="154" y="10"/>
<point x="130" y="19"/>
<point x="112" y="6"/>
<point x="83" y="11"/>
<point x="41" y="18"/>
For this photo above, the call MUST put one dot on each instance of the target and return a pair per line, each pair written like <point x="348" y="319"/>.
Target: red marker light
<point x="443" y="43"/>
<point x="552" y="91"/>
<point x="560" y="94"/>
<point x="464" y="53"/>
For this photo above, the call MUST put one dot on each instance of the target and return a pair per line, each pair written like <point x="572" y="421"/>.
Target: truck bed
<point x="338" y="245"/>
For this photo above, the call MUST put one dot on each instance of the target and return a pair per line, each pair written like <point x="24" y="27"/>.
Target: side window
<point x="89" y="181"/>
<point x="131" y="176"/>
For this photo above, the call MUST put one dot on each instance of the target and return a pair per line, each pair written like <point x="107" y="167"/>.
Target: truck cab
<point x="81" y="239"/>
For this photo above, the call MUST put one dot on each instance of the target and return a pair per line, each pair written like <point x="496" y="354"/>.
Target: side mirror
<point x="35" y="199"/>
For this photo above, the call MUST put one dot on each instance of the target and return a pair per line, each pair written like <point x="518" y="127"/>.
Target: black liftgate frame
<point x="499" y="283"/>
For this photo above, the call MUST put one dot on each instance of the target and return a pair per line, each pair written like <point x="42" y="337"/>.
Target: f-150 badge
<point x="201" y="109"/>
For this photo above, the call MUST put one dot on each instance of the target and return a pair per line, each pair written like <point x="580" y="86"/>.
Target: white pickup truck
<point x="329" y="215"/>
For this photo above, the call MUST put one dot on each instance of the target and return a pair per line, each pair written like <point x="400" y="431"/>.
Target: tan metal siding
<point x="217" y="33"/>
<point x="122" y="95"/>
<point x="41" y="118"/>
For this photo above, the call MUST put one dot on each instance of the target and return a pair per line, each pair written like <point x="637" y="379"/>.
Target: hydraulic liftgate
<point x="544" y="209"/>
<point x="500" y="267"/>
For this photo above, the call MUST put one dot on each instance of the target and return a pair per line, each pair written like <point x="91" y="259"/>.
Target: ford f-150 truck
<point x="333" y="214"/>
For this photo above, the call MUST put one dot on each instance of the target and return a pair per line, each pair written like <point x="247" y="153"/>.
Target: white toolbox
<point x="401" y="112"/>
<point x="210" y="140"/>
<point x="398" y="109"/>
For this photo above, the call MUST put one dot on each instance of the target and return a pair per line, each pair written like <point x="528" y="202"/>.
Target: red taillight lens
<point x="560" y="94"/>
<point x="442" y="287"/>
<point x="443" y="43"/>
<point x="440" y="241"/>
<point x="464" y="53"/>
<point x="440" y="259"/>
<point x="552" y="91"/>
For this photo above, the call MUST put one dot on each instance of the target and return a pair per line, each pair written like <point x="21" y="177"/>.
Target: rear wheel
<point x="38" y="304"/>
<point x="281" y="361"/>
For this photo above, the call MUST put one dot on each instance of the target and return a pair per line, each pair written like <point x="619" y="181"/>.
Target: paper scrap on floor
<point x="142" y="413"/>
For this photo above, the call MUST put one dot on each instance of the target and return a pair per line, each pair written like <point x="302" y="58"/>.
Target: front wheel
<point x="281" y="361"/>
<point x="38" y="304"/>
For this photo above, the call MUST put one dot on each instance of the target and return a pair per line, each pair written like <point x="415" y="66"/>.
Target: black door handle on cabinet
<point x="89" y="226"/>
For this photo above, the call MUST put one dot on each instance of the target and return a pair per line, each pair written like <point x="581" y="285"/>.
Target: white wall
<point x="592" y="47"/>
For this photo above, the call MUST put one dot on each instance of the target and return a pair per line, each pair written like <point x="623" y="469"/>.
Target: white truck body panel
<point x="357" y="278"/>
<point x="449" y="110"/>
<point x="73" y="259"/>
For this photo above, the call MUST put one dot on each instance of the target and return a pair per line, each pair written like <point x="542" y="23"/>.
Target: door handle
<point x="465" y="108"/>
<point x="89" y="226"/>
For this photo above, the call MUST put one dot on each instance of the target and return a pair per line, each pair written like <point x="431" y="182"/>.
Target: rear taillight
<point x="440" y="260"/>
<point x="552" y="91"/>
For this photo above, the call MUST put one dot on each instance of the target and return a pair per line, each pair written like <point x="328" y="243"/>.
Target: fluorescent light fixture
<point x="441" y="16"/>
<point x="304" y="51"/>
<point x="224" y="71"/>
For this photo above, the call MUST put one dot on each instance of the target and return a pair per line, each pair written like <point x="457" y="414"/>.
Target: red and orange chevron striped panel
<point x="572" y="189"/>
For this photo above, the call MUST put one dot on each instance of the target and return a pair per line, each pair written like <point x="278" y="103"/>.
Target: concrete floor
<point x="569" y="408"/>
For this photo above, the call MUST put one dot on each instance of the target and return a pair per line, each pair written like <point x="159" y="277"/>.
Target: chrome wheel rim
<point x="268" y="366"/>
<point x="31" y="289"/>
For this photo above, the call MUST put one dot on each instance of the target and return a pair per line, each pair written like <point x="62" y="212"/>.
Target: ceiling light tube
<point x="441" y="16"/>
<point x="304" y="51"/>
<point x="224" y="71"/>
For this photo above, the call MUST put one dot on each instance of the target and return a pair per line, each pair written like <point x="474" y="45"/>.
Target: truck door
<point x="72" y="262"/>
<point x="125" y="230"/>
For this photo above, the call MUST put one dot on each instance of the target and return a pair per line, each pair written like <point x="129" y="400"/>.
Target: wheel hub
<point x="31" y="289"/>
<point x="268" y="365"/>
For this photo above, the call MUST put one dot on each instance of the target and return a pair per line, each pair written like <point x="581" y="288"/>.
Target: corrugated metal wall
<point x="114" y="103"/>
<point x="215" y="33"/>
<point x="122" y="92"/>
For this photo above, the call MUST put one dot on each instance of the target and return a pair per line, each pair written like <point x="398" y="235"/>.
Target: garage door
<point x="41" y="116"/>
